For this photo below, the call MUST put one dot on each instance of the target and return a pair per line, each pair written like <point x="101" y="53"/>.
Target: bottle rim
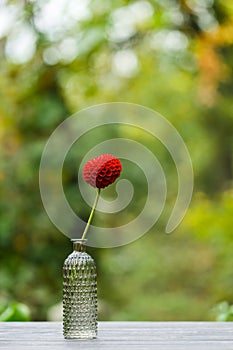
<point x="79" y="240"/>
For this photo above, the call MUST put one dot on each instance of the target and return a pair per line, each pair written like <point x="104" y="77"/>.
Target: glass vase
<point x="79" y="294"/>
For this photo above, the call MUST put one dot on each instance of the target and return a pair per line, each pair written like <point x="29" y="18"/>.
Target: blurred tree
<point x="172" y="56"/>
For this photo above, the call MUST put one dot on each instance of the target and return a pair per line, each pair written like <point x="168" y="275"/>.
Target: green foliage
<point x="223" y="312"/>
<point x="181" y="66"/>
<point x="14" y="312"/>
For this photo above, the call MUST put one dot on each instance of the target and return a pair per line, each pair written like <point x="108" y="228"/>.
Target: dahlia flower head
<point x="102" y="171"/>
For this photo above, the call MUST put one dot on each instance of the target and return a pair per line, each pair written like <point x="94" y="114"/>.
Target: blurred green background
<point x="176" y="57"/>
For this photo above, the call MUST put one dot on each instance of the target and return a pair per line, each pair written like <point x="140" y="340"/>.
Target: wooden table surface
<point x="120" y="335"/>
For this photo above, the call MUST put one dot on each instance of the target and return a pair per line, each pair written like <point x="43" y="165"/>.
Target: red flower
<point x="102" y="171"/>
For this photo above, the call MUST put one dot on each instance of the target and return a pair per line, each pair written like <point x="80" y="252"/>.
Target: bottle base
<point x="80" y="336"/>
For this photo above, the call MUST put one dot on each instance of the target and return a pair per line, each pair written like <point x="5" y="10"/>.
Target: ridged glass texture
<point x="79" y="294"/>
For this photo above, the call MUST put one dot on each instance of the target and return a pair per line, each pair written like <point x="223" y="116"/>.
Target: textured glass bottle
<point x="79" y="294"/>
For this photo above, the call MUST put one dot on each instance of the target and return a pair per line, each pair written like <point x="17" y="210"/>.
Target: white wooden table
<point x="120" y="335"/>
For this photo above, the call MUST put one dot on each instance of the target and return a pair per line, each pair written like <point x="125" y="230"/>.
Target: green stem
<point x="91" y="214"/>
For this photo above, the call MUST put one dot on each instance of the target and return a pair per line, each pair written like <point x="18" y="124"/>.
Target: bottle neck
<point x="79" y="245"/>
